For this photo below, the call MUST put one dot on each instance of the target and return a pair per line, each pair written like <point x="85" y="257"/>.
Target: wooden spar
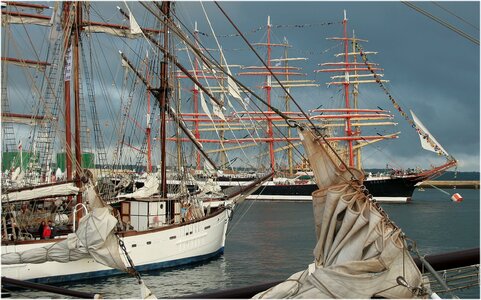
<point x="355" y="53"/>
<point x="76" y="86"/>
<point x="97" y="26"/>
<point x="26" y="62"/>
<point x="196" y="97"/>
<point x="355" y="93"/>
<point x="290" y="160"/>
<point x="348" y="70"/>
<point x="344" y="64"/>
<point x="355" y="82"/>
<point x="67" y="100"/>
<point x="269" y="44"/>
<point x="272" y="68"/>
<point x="358" y="110"/>
<point x="174" y="61"/>
<point x="294" y="85"/>
<point x="231" y="148"/>
<point x="268" y="140"/>
<point x="170" y="111"/>
<point x="164" y="86"/>
<point x="22" y="18"/>
<point x="286" y="59"/>
<point x="269" y="73"/>
<point x="148" y="129"/>
<point x="269" y="118"/>
<point x="283" y="124"/>
<point x="270" y="132"/>
<point x="355" y="76"/>
<point x="27" y="5"/>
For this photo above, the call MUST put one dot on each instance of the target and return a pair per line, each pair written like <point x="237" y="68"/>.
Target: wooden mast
<point x="68" y="125"/>
<point x="346" y="91"/>
<point x="196" y="97"/>
<point x="164" y="87"/>
<point x="76" y="86"/>
<point x="268" y="95"/>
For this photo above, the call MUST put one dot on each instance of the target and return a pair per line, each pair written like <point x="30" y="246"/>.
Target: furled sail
<point x="428" y="141"/>
<point x="57" y="190"/>
<point x="94" y="238"/>
<point x="151" y="187"/>
<point x="359" y="252"/>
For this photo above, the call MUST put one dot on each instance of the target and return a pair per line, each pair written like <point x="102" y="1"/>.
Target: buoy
<point x="456" y="197"/>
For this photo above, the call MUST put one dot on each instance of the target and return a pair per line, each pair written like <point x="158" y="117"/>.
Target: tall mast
<point x="353" y="73"/>
<point x="76" y="86"/>
<point x="148" y="129"/>
<point x="68" y="120"/>
<point x="346" y="91"/>
<point x="196" y="96"/>
<point x="289" y="150"/>
<point x="355" y="93"/>
<point x="268" y="95"/>
<point x="164" y="85"/>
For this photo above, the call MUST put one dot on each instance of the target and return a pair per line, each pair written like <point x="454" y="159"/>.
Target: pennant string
<point x="423" y="134"/>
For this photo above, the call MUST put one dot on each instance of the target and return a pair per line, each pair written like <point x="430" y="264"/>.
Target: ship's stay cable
<point x="224" y="92"/>
<point x="455" y="15"/>
<point x="444" y="23"/>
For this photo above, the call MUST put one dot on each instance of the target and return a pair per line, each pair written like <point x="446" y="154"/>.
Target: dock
<point x="460" y="184"/>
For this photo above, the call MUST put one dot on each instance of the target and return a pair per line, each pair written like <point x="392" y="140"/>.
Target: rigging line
<point x="213" y="61"/>
<point x="290" y="96"/>
<point x="216" y="63"/>
<point x="444" y="23"/>
<point x="450" y="12"/>
<point x="224" y="92"/>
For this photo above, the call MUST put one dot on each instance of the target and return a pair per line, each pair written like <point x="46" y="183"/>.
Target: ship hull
<point x="385" y="189"/>
<point x="151" y="249"/>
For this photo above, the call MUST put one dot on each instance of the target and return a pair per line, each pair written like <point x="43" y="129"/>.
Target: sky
<point x="432" y="70"/>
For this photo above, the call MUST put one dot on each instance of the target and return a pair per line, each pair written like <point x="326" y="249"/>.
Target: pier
<point x="461" y="184"/>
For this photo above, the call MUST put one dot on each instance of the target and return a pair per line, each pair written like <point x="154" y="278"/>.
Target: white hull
<point x="152" y="249"/>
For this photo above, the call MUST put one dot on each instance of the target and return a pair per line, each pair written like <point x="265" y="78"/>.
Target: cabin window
<point x="149" y="242"/>
<point x="172" y="237"/>
<point x="134" y="245"/>
<point x="206" y="227"/>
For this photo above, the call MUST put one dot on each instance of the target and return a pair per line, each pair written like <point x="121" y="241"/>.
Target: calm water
<point x="269" y="241"/>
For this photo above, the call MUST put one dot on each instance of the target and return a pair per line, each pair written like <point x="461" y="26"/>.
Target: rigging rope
<point x="421" y="132"/>
<point x="273" y="26"/>
<point x="444" y="23"/>
<point x="450" y="12"/>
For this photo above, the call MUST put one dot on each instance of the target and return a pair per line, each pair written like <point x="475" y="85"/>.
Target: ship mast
<point x="76" y="87"/>
<point x="351" y="72"/>
<point x="164" y="87"/>
<point x="346" y="90"/>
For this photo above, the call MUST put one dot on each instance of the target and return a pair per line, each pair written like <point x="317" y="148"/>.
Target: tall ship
<point x="62" y="228"/>
<point x="345" y="126"/>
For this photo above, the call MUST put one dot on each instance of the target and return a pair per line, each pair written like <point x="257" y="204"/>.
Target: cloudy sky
<point x="432" y="70"/>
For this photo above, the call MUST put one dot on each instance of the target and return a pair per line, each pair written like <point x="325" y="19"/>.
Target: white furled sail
<point x="151" y="187"/>
<point x="428" y="142"/>
<point x="58" y="190"/>
<point x="359" y="252"/>
<point x="95" y="237"/>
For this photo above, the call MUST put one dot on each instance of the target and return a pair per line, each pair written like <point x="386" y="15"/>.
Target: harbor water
<point x="269" y="241"/>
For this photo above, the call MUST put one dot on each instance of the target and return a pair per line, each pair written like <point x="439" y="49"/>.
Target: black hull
<point x="397" y="187"/>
